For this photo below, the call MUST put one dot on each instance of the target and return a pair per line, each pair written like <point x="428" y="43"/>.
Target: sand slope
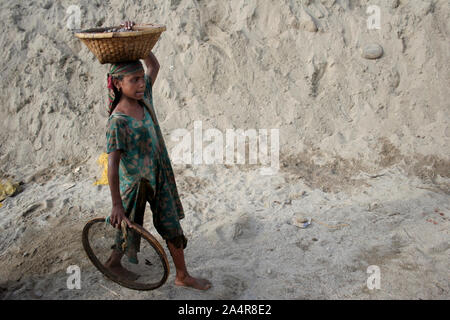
<point x="362" y="142"/>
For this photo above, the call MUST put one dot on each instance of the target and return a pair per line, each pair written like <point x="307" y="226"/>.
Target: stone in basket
<point x="112" y="45"/>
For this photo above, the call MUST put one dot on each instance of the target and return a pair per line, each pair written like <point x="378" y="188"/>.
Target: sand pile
<point x="353" y="106"/>
<point x="245" y="64"/>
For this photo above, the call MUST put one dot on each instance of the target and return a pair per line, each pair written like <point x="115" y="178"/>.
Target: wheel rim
<point x="127" y="283"/>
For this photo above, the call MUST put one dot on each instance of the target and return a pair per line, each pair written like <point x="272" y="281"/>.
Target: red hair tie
<point x="110" y="83"/>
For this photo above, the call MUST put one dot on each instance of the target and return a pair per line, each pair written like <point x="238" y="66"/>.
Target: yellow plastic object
<point x="7" y="189"/>
<point x="103" y="161"/>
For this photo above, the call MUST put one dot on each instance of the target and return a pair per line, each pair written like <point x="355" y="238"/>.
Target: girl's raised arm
<point x="152" y="66"/>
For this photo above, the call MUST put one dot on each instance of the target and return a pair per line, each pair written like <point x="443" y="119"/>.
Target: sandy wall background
<point x="364" y="145"/>
<point x="292" y="65"/>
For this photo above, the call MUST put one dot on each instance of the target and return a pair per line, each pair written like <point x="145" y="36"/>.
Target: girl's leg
<point x="182" y="277"/>
<point x="114" y="265"/>
<point x="137" y="201"/>
<point x="168" y="226"/>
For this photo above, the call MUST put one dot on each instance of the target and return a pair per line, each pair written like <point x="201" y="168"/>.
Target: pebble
<point x="373" y="206"/>
<point x="309" y="24"/>
<point x="372" y="51"/>
<point x="300" y="221"/>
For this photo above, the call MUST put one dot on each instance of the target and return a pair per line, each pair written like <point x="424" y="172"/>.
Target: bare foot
<point x="120" y="271"/>
<point x="196" y="283"/>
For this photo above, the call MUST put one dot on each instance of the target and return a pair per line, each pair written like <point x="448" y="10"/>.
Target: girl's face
<point x="133" y="85"/>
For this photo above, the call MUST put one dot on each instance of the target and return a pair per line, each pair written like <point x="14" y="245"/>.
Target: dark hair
<point x="117" y="95"/>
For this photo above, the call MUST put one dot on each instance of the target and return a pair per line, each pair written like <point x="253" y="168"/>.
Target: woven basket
<point x="113" y="47"/>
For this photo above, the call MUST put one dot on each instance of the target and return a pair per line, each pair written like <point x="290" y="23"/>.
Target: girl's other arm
<point x="152" y="66"/>
<point x="118" y="212"/>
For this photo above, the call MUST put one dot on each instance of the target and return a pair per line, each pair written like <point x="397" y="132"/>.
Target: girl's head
<point x="125" y="78"/>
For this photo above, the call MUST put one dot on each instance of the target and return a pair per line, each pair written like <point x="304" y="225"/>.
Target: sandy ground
<point x="363" y="142"/>
<point x="245" y="243"/>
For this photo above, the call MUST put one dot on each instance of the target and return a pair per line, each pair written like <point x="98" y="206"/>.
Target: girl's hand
<point x="128" y="24"/>
<point x="117" y="215"/>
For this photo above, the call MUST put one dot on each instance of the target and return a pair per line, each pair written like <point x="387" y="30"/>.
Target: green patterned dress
<point x="145" y="175"/>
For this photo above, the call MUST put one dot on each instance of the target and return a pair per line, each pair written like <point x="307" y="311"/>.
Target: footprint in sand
<point x="239" y="228"/>
<point x="32" y="208"/>
<point x="233" y="287"/>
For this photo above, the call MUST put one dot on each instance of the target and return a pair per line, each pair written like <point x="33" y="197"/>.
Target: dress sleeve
<point x="116" y="135"/>
<point x="148" y="89"/>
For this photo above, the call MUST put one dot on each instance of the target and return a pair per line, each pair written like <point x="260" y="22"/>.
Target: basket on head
<point x="113" y="47"/>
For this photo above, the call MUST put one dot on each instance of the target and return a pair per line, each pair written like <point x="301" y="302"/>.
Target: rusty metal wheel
<point x="152" y="268"/>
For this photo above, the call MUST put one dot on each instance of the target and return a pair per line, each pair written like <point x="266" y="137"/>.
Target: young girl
<point x="139" y="168"/>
